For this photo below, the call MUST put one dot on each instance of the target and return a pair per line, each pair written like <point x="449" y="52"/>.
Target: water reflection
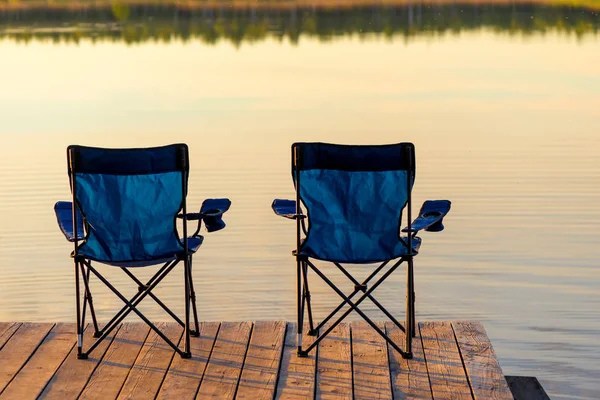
<point x="245" y="22"/>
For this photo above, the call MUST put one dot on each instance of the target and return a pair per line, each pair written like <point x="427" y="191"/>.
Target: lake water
<point x="502" y="103"/>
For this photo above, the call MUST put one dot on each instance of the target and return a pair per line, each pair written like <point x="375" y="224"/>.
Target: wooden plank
<point x="296" y="374"/>
<point x="446" y="372"/>
<point x="410" y="380"/>
<point x="73" y="374"/>
<point x="261" y="367"/>
<point x="19" y="348"/>
<point x="7" y="329"/>
<point x="32" y="378"/>
<point x="370" y="364"/>
<point x="152" y="363"/>
<point x="334" y="370"/>
<point x="108" y="378"/>
<point x="225" y="365"/>
<point x="484" y="372"/>
<point x="184" y="376"/>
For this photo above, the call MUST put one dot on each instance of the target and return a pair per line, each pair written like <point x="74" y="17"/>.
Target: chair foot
<point x="312" y="332"/>
<point x="97" y="334"/>
<point x="407" y="356"/>
<point x="194" y="333"/>
<point x="82" y="356"/>
<point x="302" y="353"/>
<point x="186" y="355"/>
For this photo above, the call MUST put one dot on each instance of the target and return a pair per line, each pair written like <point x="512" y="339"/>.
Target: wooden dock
<point x="246" y="360"/>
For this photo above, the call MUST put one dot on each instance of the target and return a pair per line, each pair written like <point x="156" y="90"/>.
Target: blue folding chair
<point x="127" y="202"/>
<point x="354" y="198"/>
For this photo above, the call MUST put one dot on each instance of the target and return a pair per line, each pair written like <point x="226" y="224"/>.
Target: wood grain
<point x="483" y="369"/>
<point x="225" y="365"/>
<point x="7" y="329"/>
<point x="410" y="380"/>
<point x="446" y="372"/>
<point x="370" y="364"/>
<point x="32" y="378"/>
<point x="184" y="376"/>
<point x="152" y="363"/>
<point x="334" y="370"/>
<point x="296" y="374"/>
<point x="261" y="367"/>
<point x="15" y="353"/>
<point x="73" y="374"/>
<point x="108" y="378"/>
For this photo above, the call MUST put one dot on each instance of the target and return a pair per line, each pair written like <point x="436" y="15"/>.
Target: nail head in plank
<point x="483" y="369"/>
<point x="225" y="365"/>
<point x="32" y="378"/>
<point x="334" y="371"/>
<point x="184" y="375"/>
<point x="370" y="364"/>
<point x="73" y="374"/>
<point x="152" y="363"/>
<point x="446" y="371"/>
<point x="410" y="380"/>
<point x="296" y="374"/>
<point x="19" y="348"/>
<point x="259" y="375"/>
<point x="7" y="329"/>
<point x="108" y="378"/>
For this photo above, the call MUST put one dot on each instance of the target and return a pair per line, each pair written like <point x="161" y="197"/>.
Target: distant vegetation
<point x="241" y="21"/>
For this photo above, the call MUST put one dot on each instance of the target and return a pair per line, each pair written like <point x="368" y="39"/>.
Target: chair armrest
<point x="431" y="216"/>
<point x="211" y="213"/>
<point x="286" y="209"/>
<point x="64" y="217"/>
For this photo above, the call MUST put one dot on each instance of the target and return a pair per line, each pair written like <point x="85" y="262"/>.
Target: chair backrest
<point x="354" y="197"/>
<point x="129" y="199"/>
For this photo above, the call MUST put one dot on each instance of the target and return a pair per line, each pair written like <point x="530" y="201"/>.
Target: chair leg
<point x="312" y="331"/>
<point x="187" y="352"/>
<point x="89" y="300"/>
<point x="299" y="289"/>
<point x="195" y="332"/>
<point x="80" y="354"/>
<point x="409" y="306"/>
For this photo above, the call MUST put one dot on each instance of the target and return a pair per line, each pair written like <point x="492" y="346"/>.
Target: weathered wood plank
<point x="370" y="364"/>
<point x="152" y="363"/>
<point x="225" y="365"/>
<point x="261" y="367"/>
<point x="410" y="380"/>
<point x="107" y="380"/>
<point x="7" y="329"/>
<point x="296" y="374"/>
<point x="184" y="376"/>
<point x="32" y="378"/>
<point x="19" y="348"/>
<point x="483" y="369"/>
<point x="334" y="371"/>
<point x="73" y="374"/>
<point x="446" y="372"/>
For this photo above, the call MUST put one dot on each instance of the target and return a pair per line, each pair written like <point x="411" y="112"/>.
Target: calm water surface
<point x="505" y="125"/>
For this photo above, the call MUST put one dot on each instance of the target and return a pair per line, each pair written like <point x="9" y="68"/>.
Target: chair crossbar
<point x="354" y="307"/>
<point x="356" y="291"/>
<point x="130" y="305"/>
<point x="138" y="297"/>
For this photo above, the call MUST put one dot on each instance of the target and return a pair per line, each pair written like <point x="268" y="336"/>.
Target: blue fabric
<point x="354" y="216"/>
<point x="431" y="216"/>
<point x="130" y="217"/>
<point x="154" y="160"/>
<point x="212" y="211"/>
<point x="400" y="156"/>
<point x="194" y="244"/>
<point x="64" y="217"/>
<point x="284" y="208"/>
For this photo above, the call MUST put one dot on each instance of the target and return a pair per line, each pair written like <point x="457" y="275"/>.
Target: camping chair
<point x="354" y="197"/>
<point x="127" y="202"/>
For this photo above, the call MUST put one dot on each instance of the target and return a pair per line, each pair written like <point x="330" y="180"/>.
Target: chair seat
<point x="355" y="256"/>
<point x="194" y="244"/>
